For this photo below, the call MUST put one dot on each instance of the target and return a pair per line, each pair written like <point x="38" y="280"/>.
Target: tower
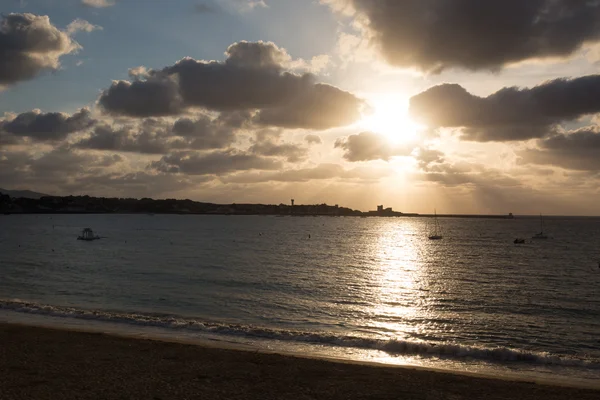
<point x="292" y="202"/>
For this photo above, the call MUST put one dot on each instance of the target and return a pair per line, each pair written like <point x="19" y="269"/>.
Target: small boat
<point x="88" y="235"/>
<point x="519" y="241"/>
<point x="437" y="231"/>
<point x="541" y="234"/>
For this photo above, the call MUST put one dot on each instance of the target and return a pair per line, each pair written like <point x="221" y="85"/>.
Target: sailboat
<point x="437" y="231"/>
<point x="541" y="234"/>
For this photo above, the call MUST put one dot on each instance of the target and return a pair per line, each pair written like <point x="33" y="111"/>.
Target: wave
<point x="392" y="346"/>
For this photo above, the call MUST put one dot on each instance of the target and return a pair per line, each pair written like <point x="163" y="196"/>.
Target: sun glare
<point x="389" y="117"/>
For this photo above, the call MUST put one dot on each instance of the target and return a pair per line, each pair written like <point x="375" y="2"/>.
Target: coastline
<point x="41" y="362"/>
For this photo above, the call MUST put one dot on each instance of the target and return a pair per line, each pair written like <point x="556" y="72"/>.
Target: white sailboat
<point x="437" y="231"/>
<point x="541" y="234"/>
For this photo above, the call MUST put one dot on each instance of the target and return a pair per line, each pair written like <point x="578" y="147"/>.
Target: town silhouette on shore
<point x="43" y="204"/>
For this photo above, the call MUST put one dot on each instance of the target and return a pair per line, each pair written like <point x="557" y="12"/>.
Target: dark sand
<point x="39" y="363"/>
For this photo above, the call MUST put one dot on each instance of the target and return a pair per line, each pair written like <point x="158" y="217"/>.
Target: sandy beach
<point x="41" y="363"/>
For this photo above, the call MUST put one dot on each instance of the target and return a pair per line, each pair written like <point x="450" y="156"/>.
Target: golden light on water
<point x="399" y="275"/>
<point x="389" y="117"/>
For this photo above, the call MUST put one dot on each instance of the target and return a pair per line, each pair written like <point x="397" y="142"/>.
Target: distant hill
<point x="23" y="193"/>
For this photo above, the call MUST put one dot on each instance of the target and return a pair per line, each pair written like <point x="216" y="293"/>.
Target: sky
<point x="460" y="106"/>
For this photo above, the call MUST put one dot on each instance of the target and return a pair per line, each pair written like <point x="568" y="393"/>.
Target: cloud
<point x="509" y="114"/>
<point x="253" y="77"/>
<point x="248" y="5"/>
<point x="204" y="133"/>
<point x="291" y="152"/>
<point x="214" y="163"/>
<point x="139" y="72"/>
<point x="30" y="44"/>
<point x="65" y="170"/>
<point x="51" y="168"/>
<point x="305" y="110"/>
<point x="204" y="8"/>
<point x="98" y="3"/>
<point x="40" y="126"/>
<point x="152" y="136"/>
<point x="436" y="167"/>
<point x="106" y="137"/>
<point x="313" y="139"/>
<point x="435" y="35"/>
<point x="320" y="172"/>
<point x="367" y="146"/>
<point x="156" y="96"/>
<point x="132" y="184"/>
<point x="576" y="150"/>
<point x="81" y="25"/>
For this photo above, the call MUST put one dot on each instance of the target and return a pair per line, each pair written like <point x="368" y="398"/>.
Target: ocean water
<point x="365" y="289"/>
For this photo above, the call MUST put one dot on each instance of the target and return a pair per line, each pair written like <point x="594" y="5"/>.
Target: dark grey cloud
<point x="318" y="107"/>
<point x="313" y="139"/>
<point x="509" y="114"/>
<point x="368" y="146"/>
<point x="156" y="96"/>
<point x="132" y="184"/>
<point x="127" y="139"/>
<point x="434" y="35"/>
<point x="40" y="126"/>
<point x="576" y="150"/>
<point x="204" y="8"/>
<point x="151" y="136"/>
<point x="254" y="76"/>
<point x="291" y="152"/>
<point x="51" y="169"/>
<point x="206" y="133"/>
<point x="30" y="44"/>
<point x="214" y="163"/>
<point x="65" y="170"/>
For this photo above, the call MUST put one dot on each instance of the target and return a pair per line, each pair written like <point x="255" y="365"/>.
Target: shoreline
<point x="35" y="354"/>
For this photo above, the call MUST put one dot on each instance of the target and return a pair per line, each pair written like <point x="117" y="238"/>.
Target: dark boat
<point x="519" y="241"/>
<point x="88" y="235"/>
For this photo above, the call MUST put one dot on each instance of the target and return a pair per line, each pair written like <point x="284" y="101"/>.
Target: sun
<point x="389" y="117"/>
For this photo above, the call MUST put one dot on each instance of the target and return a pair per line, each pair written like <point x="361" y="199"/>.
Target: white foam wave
<point x="393" y="347"/>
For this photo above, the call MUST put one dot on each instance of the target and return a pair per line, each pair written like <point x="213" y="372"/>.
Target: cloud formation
<point x="151" y="136"/>
<point x="156" y="96"/>
<point x="436" y="167"/>
<point x="98" y="3"/>
<point x="30" y="44"/>
<point x="576" y="150"/>
<point x="81" y="25"/>
<point x="40" y="126"/>
<point x="434" y="35"/>
<point x="313" y="139"/>
<point x="213" y="163"/>
<point x="511" y="113"/>
<point x="254" y="77"/>
<point x="367" y="146"/>
<point x="319" y="172"/>
<point x="291" y="152"/>
<point x="53" y="168"/>
<point x="204" y="8"/>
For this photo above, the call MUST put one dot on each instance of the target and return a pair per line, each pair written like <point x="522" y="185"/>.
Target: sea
<point x="355" y="289"/>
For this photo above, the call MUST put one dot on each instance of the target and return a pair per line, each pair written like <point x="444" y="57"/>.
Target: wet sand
<point x="41" y="363"/>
